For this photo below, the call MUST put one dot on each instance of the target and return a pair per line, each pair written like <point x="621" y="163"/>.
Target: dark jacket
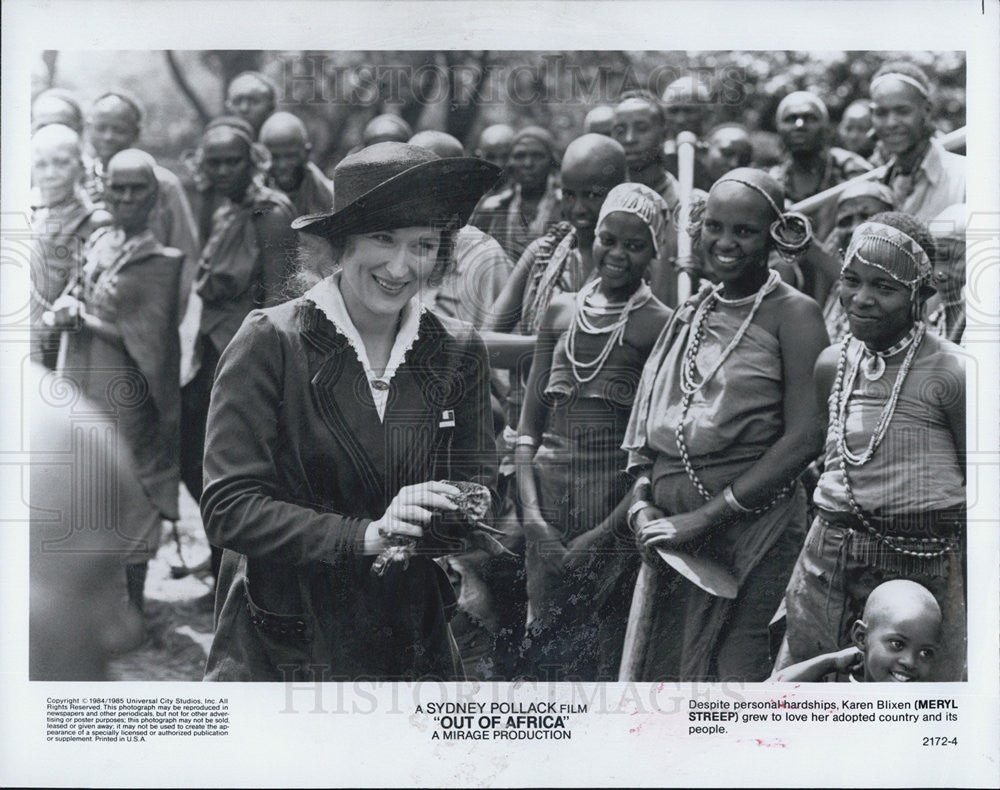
<point x="297" y="464"/>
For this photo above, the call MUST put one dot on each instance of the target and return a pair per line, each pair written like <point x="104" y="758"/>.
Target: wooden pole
<point x="685" y="175"/>
<point x="637" y="630"/>
<point x="640" y="613"/>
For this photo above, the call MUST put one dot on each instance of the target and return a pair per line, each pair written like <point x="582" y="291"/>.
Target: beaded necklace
<point x="582" y="321"/>
<point x="841" y="394"/>
<point x="689" y="368"/>
<point x="689" y="384"/>
<point x="873" y="365"/>
<point x="839" y="397"/>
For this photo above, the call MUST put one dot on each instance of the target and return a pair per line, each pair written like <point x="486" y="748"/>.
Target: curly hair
<point x="911" y="226"/>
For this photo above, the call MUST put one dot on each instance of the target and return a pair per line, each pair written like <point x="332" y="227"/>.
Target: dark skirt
<point x="696" y="636"/>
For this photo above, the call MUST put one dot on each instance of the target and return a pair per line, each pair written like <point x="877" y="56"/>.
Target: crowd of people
<point x="338" y="365"/>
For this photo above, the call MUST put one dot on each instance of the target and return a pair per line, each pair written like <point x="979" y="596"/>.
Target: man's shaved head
<point x="592" y="165"/>
<point x="899" y="633"/>
<point x="56" y="162"/>
<point x="687" y="90"/>
<point x="494" y="145"/>
<point x="119" y="104"/>
<point x="687" y="102"/>
<point x="729" y="147"/>
<point x="386" y="128"/>
<point x="251" y="96"/>
<point x="56" y="106"/>
<point x="595" y="156"/>
<point x="497" y="134"/>
<point x="130" y="189"/>
<point x="56" y="135"/>
<point x="134" y="159"/>
<point x="283" y="127"/>
<point x="113" y="124"/>
<point x="600" y="120"/>
<point x="441" y="143"/>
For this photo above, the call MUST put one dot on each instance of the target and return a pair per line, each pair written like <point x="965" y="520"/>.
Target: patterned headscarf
<point x="642" y="201"/>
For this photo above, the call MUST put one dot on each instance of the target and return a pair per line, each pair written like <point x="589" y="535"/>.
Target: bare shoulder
<point x="828" y="359"/>
<point x="941" y="354"/>
<point x="795" y="304"/>
<point x="790" y="315"/>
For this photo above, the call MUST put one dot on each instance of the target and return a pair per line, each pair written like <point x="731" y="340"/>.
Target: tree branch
<point x="186" y="89"/>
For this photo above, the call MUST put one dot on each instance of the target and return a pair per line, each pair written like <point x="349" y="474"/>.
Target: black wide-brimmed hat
<point x="396" y="185"/>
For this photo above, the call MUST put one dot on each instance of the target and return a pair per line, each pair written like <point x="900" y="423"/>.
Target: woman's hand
<point x="672" y="531"/>
<point x="539" y="532"/>
<point x="411" y="508"/>
<point x="638" y="523"/>
<point x="66" y="310"/>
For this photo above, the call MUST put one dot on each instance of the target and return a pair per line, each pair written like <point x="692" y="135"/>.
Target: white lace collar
<point x="327" y="297"/>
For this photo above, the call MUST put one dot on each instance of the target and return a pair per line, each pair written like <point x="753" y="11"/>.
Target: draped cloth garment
<point x="132" y="286"/>
<point x="731" y="422"/>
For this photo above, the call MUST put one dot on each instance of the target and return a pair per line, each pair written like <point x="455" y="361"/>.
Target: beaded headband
<point x="755" y="187"/>
<point x="875" y="241"/>
<point x="642" y="201"/>
<point x="895" y="75"/>
<point x="791" y="231"/>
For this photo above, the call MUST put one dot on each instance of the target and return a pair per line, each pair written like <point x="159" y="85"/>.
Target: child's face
<point x="949" y="268"/>
<point x="899" y="649"/>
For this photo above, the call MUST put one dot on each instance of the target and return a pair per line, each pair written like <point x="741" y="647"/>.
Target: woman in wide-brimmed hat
<point x="334" y="418"/>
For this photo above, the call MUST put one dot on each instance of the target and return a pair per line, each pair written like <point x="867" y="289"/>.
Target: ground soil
<point x="178" y="612"/>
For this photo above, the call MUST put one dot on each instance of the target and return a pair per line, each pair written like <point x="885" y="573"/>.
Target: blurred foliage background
<point x="461" y="92"/>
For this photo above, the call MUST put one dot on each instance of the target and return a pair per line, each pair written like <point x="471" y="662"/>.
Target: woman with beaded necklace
<point x="590" y="352"/>
<point x="723" y="425"/>
<point x="891" y="499"/>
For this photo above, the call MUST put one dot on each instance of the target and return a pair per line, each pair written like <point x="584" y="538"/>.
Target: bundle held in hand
<point x="453" y="532"/>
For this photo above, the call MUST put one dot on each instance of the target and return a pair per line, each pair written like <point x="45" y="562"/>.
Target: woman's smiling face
<point x="736" y="233"/>
<point x="384" y="269"/>
<point x="623" y="249"/>
<point x="878" y="307"/>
